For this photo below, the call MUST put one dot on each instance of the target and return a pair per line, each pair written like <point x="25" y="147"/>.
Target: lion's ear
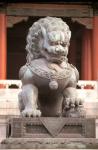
<point x="43" y="30"/>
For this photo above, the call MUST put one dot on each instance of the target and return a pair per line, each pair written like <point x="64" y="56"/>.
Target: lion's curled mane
<point x="35" y="34"/>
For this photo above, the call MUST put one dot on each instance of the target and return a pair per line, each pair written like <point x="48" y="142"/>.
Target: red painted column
<point x="3" y="52"/>
<point x="86" y="60"/>
<point x="95" y="49"/>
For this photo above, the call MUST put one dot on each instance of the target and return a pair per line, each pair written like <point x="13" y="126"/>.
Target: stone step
<point x="50" y="143"/>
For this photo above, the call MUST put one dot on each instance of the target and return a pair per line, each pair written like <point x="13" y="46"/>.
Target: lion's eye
<point x="63" y="44"/>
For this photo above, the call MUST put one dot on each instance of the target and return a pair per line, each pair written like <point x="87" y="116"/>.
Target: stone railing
<point x="82" y="84"/>
<point x="8" y="83"/>
<point x="9" y="89"/>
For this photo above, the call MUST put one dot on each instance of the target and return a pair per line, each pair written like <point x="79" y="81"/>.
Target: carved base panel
<point x="50" y="132"/>
<point x="51" y="127"/>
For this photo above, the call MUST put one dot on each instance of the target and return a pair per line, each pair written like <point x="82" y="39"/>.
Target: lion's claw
<point x="31" y="113"/>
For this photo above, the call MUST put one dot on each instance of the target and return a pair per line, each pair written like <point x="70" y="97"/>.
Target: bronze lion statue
<point x="48" y="80"/>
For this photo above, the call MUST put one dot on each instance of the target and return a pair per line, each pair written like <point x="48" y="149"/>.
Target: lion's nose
<point x="59" y="50"/>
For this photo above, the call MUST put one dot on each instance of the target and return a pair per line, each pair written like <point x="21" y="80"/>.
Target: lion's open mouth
<point x="55" y="57"/>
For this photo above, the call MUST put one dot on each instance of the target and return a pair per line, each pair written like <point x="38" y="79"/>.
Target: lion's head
<point x="49" y="37"/>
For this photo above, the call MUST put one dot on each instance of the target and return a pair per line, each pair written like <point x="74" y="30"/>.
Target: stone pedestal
<point x="50" y="132"/>
<point x="50" y="127"/>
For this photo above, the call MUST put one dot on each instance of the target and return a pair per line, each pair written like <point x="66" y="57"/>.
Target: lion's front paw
<point x="73" y="107"/>
<point x="72" y="103"/>
<point x="31" y="113"/>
